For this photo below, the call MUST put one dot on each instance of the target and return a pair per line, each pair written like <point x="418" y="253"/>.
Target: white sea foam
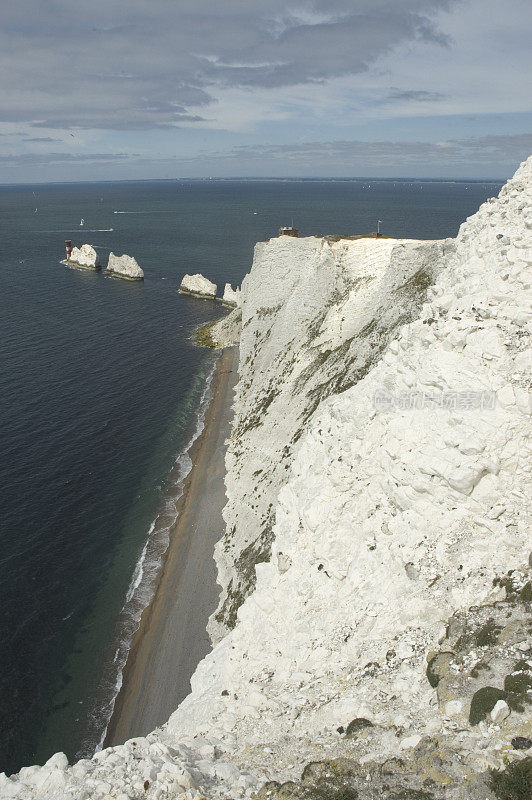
<point x="77" y="230"/>
<point x="143" y="585"/>
<point x="139" y="569"/>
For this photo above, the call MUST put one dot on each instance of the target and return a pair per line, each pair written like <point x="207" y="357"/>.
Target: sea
<point x="102" y="391"/>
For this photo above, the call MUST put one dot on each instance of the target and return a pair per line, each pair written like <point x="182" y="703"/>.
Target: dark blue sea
<point x="101" y="391"/>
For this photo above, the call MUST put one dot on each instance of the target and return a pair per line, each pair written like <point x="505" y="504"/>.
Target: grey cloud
<point x="387" y="154"/>
<point x="41" y="139"/>
<point x="40" y="159"/>
<point x="89" y="65"/>
<point x="313" y="53"/>
<point x="493" y="156"/>
<point x="415" y="95"/>
<point x="137" y="119"/>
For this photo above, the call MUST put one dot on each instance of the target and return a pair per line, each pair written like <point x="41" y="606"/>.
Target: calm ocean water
<point x="100" y="392"/>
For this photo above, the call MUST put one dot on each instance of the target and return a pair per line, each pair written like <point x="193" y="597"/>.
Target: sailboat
<point x="82" y="222"/>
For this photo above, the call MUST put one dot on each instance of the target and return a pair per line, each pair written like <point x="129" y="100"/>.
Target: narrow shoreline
<point x="172" y="638"/>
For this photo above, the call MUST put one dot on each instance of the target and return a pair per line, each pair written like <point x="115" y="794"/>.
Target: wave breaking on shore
<point x="143" y="584"/>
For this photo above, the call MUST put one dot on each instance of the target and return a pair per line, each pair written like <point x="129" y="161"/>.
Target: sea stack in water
<point x="198" y="286"/>
<point x="231" y="297"/>
<point x="84" y="257"/>
<point x="124" y="267"/>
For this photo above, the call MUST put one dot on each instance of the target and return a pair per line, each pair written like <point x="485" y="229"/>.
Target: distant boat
<point x="35" y="211"/>
<point x="82" y="222"/>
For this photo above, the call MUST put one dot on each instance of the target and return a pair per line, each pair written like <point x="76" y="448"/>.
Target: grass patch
<point x="515" y="782"/>
<point x="483" y="702"/>
<point x="488" y="633"/>
<point x="518" y="686"/>
<point x="357" y="725"/>
<point x="525" y="595"/>
<point x="335" y="237"/>
<point x="204" y="336"/>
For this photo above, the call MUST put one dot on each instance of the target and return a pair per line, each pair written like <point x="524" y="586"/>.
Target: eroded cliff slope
<point x="316" y="315"/>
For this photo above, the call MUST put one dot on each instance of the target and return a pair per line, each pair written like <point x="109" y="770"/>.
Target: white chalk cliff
<point x="373" y="635"/>
<point x="84" y="256"/>
<point x="124" y="267"/>
<point x="199" y="286"/>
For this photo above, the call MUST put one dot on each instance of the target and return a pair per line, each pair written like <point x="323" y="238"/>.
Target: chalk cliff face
<point x="374" y="625"/>
<point x="316" y="315"/>
<point x="124" y="267"/>
<point x="84" y="256"/>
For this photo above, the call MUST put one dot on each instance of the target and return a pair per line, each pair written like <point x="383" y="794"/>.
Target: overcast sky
<point x="102" y="89"/>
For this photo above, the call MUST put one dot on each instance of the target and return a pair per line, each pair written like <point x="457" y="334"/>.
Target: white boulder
<point x="499" y="712"/>
<point x="85" y="257"/>
<point x="124" y="267"/>
<point x="231" y="297"/>
<point x="198" y="286"/>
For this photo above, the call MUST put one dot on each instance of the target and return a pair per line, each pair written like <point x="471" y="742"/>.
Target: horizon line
<point x="242" y="178"/>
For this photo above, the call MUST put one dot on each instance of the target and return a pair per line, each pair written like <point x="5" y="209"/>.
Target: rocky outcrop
<point x="124" y="267"/>
<point x="231" y="297"/>
<point x="198" y="286"/>
<point x="427" y="769"/>
<point x="84" y="257"/>
<point x="374" y="630"/>
<point x="482" y="669"/>
<point x="226" y="332"/>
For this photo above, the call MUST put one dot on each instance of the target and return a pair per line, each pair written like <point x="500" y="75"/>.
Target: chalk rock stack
<point x="198" y="286"/>
<point x="231" y="297"/>
<point x="124" y="267"/>
<point x="84" y="257"/>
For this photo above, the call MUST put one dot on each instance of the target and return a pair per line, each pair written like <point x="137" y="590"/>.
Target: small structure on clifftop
<point x="198" y="286"/>
<point x="288" y="230"/>
<point x="84" y="257"/>
<point x="124" y="267"/>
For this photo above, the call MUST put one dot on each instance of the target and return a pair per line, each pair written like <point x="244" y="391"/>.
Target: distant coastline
<point x="264" y="179"/>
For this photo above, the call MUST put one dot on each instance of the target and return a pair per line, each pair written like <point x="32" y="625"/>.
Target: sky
<point x="116" y="90"/>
